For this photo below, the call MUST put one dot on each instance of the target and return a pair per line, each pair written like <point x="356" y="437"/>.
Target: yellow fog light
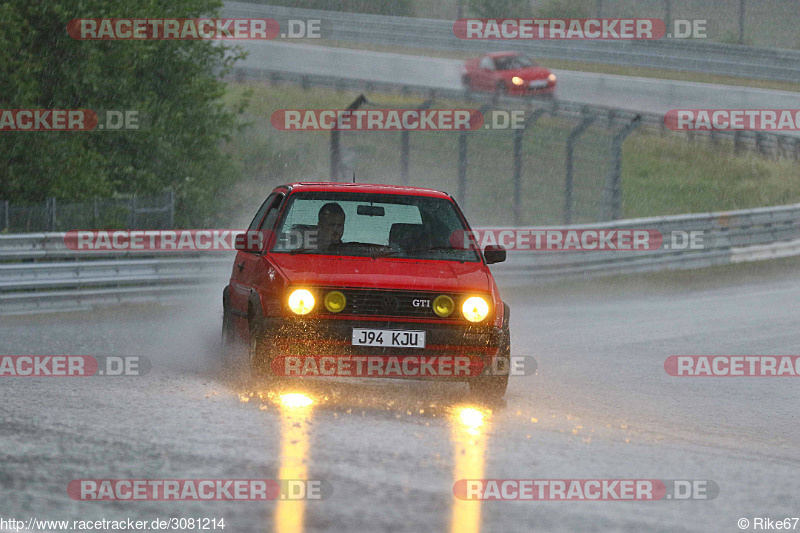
<point x="335" y="302"/>
<point x="516" y="80"/>
<point x="301" y="301"/>
<point x="443" y="305"/>
<point x="475" y="309"/>
<point x="551" y="77"/>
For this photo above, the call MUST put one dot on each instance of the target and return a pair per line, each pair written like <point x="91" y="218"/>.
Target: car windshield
<point x="511" y="62"/>
<point x="372" y="225"/>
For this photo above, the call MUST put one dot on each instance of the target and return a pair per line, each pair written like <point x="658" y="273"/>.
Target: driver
<point x="330" y="225"/>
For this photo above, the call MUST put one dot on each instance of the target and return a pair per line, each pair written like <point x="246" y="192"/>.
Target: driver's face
<point x="331" y="227"/>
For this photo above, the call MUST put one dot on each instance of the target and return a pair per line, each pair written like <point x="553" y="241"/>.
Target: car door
<point x="486" y="74"/>
<point x="247" y="262"/>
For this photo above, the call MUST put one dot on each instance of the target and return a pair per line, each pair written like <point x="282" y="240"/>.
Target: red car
<point x="508" y="73"/>
<point x="342" y="273"/>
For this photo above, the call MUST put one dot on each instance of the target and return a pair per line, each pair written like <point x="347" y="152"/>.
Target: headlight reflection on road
<point x="468" y="434"/>
<point x="296" y="411"/>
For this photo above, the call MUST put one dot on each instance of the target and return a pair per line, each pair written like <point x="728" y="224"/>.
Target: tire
<point x="226" y="338"/>
<point x="493" y="388"/>
<point x="259" y="353"/>
<point x="466" y="82"/>
<point x="500" y="89"/>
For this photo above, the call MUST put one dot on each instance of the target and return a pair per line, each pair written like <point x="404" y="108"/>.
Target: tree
<point x="174" y="85"/>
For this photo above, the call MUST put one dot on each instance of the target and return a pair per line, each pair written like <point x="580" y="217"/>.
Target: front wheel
<point x="493" y="385"/>
<point x="259" y="353"/>
<point x="227" y="341"/>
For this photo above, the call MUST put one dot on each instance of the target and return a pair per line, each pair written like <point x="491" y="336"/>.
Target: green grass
<point x="661" y="174"/>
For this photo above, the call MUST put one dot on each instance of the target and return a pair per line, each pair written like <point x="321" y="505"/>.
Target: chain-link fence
<point x="134" y="212"/>
<point x="547" y="170"/>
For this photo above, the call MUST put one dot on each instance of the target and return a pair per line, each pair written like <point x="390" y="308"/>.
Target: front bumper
<point x="526" y="90"/>
<point x="332" y="338"/>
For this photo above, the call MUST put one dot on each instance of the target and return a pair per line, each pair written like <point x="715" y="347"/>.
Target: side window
<point x="486" y="63"/>
<point x="272" y="213"/>
<point x="260" y="214"/>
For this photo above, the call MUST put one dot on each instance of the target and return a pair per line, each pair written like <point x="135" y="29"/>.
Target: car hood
<point x="384" y="272"/>
<point x="528" y="73"/>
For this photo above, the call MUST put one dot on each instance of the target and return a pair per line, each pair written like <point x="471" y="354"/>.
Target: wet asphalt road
<point x="600" y="406"/>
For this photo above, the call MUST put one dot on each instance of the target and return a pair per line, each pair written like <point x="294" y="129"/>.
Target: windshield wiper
<point x="422" y="250"/>
<point x="302" y="250"/>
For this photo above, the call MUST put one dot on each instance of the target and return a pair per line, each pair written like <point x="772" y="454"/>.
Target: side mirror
<point x="494" y="254"/>
<point x="250" y="241"/>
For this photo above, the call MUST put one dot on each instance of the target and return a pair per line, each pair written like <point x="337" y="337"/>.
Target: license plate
<point x="538" y="84"/>
<point x="389" y="338"/>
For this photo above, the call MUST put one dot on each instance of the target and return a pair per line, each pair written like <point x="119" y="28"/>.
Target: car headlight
<point x="516" y="80"/>
<point x="335" y="302"/>
<point x="443" y="305"/>
<point x="475" y="309"/>
<point x="301" y="301"/>
<point x="551" y="77"/>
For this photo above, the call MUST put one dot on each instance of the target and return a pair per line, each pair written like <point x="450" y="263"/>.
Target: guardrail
<point x="39" y="274"/>
<point x="680" y="55"/>
<point x="765" y="143"/>
<point x="724" y="238"/>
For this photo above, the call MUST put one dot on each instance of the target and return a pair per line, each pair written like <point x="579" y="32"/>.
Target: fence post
<point x="573" y="136"/>
<point x="7" y="215"/>
<point x="404" y="156"/>
<point x="171" y="209"/>
<point x="335" y="148"/>
<point x="50" y="211"/>
<point x="462" y="168"/>
<point x="133" y="212"/>
<point x="738" y="144"/>
<point x="405" y="146"/>
<point x="741" y="20"/>
<point x="668" y="15"/>
<point x="518" y="135"/>
<point x="613" y="192"/>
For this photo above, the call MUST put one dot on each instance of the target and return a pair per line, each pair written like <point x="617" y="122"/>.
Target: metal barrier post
<point x="405" y="146"/>
<point x="50" y="211"/>
<point x="335" y="147"/>
<point x="573" y="136"/>
<point x="518" y="135"/>
<point x="613" y="192"/>
<point x="462" y="168"/>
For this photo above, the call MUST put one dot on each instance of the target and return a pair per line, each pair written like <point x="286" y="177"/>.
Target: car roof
<point x="317" y="186"/>
<point x="494" y="55"/>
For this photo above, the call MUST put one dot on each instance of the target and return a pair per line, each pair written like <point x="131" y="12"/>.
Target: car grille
<point x="392" y="303"/>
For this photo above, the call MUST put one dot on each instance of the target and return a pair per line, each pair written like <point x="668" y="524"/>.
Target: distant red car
<point x="508" y="73"/>
<point x="346" y="271"/>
